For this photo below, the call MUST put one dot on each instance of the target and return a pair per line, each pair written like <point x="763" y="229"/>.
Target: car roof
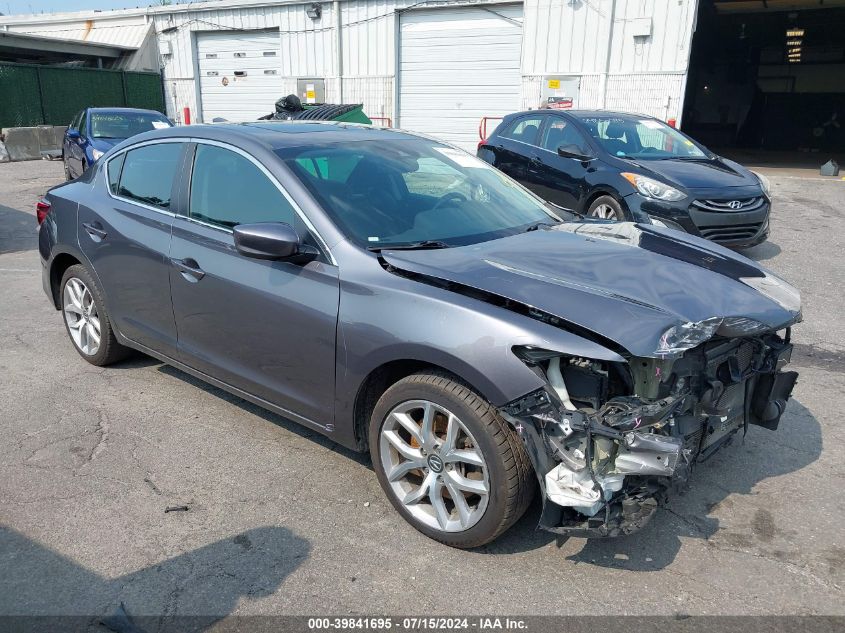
<point x="126" y="110"/>
<point x="585" y="114"/>
<point x="280" y="134"/>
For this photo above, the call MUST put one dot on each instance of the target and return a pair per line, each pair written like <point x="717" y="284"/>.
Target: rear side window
<point x="228" y="189"/>
<point x="115" y="165"/>
<point x="148" y="173"/>
<point x="524" y="130"/>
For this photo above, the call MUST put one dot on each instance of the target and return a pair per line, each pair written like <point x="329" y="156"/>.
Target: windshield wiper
<point x="539" y="225"/>
<point x="557" y="209"/>
<point x="411" y="246"/>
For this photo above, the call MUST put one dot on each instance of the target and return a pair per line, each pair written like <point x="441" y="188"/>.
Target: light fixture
<point x="795" y="33"/>
<point x="314" y="11"/>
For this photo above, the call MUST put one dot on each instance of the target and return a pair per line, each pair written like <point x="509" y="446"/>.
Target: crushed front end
<point x="610" y="441"/>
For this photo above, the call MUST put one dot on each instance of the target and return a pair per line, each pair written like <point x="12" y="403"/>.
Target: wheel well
<point x="60" y="264"/>
<point x="377" y="382"/>
<point x="613" y="194"/>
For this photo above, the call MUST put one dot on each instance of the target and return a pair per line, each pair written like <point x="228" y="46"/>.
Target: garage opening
<point x="239" y="74"/>
<point x="767" y="80"/>
<point x="457" y="65"/>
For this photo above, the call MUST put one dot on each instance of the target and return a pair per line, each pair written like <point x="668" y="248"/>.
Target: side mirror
<point x="73" y="133"/>
<point x="573" y="151"/>
<point x="273" y="240"/>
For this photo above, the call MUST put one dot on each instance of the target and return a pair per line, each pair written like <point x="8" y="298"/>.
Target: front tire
<point x="606" y="208"/>
<point x="448" y="463"/>
<point x="87" y="323"/>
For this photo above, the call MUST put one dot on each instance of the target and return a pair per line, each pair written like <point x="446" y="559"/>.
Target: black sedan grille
<point x="731" y="233"/>
<point x="731" y="206"/>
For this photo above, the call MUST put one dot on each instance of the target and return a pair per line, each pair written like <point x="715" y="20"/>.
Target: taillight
<point x="42" y="208"/>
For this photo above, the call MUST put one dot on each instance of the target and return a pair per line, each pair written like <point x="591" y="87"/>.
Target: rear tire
<point x="470" y="453"/>
<point x="606" y="208"/>
<point x="87" y="323"/>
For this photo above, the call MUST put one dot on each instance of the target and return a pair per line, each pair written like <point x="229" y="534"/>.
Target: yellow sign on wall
<point x="554" y="84"/>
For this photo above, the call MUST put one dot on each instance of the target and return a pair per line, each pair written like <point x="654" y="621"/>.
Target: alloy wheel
<point x="434" y="466"/>
<point x="81" y="316"/>
<point x="605" y="212"/>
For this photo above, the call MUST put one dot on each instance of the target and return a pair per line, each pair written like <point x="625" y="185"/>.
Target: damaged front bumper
<point x="605" y="462"/>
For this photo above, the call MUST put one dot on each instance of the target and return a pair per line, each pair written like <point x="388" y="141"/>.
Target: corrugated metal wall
<point x="572" y="37"/>
<point x="560" y="37"/>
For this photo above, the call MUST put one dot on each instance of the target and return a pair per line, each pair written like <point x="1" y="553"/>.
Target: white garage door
<point x="239" y="74"/>
<point x="456" y="66"/>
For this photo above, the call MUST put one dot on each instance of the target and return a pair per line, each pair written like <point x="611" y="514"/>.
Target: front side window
<point x="228" y="189"/>
<point x="148" y="173"/>
<point x="397" y="192"/>
<point x="118" y="125"/>
<point x="524" y="130"/>
<point x="83" y="124"/>
<point x="631" y="137"/>
<point x="561" y="133"/>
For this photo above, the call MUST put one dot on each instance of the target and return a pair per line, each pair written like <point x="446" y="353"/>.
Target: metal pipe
<point x="609" y="54"/>
<point x="338" y="27"/>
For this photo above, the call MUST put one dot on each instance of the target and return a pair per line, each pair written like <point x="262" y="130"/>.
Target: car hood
<point x="625" y="282"/>
<point x="105" y="144"/>
<point x="707" y="173"/>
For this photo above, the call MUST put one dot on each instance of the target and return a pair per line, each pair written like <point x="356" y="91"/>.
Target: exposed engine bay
<point x="609" y="441"/>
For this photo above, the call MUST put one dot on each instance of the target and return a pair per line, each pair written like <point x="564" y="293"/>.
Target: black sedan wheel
<point x="450" y="465"/>
<point x="606" y="208"/>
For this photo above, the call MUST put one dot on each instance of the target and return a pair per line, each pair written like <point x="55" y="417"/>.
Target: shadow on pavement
<point x="18" y="230"/>
<point x="762" y="252"/>
<point x="203" y="585"/>
<point x="263" y="413"/>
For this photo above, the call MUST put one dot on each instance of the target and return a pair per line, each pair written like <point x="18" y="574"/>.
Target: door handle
<point x="95" y="230"/>
<point x="535" y="161"/>
<point x="189" y="268"/>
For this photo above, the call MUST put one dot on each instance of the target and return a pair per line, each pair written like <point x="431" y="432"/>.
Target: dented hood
<point x="626" y="282"/>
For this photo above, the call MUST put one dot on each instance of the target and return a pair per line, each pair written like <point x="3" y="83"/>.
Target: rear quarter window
<point x="115" y="167"/>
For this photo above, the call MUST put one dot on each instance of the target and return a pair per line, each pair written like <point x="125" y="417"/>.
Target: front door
<point x="265" y="327"/>
<point x="125" y="234"/>
<point x="560" y="179"/>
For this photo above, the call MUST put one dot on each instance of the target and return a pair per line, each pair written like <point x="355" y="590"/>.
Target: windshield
<point x="630" y="137"/>
<point x="125" y="124"/>
<point x="413" y="191"/>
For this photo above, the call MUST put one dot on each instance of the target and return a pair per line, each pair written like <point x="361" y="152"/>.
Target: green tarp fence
<point x="51" y="95"/>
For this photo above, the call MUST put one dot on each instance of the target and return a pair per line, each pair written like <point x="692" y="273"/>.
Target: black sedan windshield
<point x="641" y="138"/>
<point x="125" y="124"/>
<point x="414" y="192"/>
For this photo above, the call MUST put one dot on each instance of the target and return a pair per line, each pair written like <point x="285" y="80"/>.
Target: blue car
<point x="94" y="131"/>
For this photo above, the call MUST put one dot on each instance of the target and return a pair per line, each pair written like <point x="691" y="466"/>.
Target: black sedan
<point x="631" y="167"/>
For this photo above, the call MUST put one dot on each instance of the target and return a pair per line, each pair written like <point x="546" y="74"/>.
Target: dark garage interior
<point x="767" y="80"/>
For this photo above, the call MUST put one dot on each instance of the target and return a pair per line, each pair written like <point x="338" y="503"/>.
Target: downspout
<point x="338" y="27"/>
<point x="609" y="53"/>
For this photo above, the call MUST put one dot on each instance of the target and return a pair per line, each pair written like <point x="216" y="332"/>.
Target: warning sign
<point x="554" y="84"/>
<point x="560" y="103"/>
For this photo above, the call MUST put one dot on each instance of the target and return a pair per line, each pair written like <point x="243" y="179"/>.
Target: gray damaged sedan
<point x="405" y="298"/>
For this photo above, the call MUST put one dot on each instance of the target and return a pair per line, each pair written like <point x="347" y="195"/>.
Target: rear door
<point x="124" y="230"/>
<point x="515" y="146"/>
<point x="265" y="327"/>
